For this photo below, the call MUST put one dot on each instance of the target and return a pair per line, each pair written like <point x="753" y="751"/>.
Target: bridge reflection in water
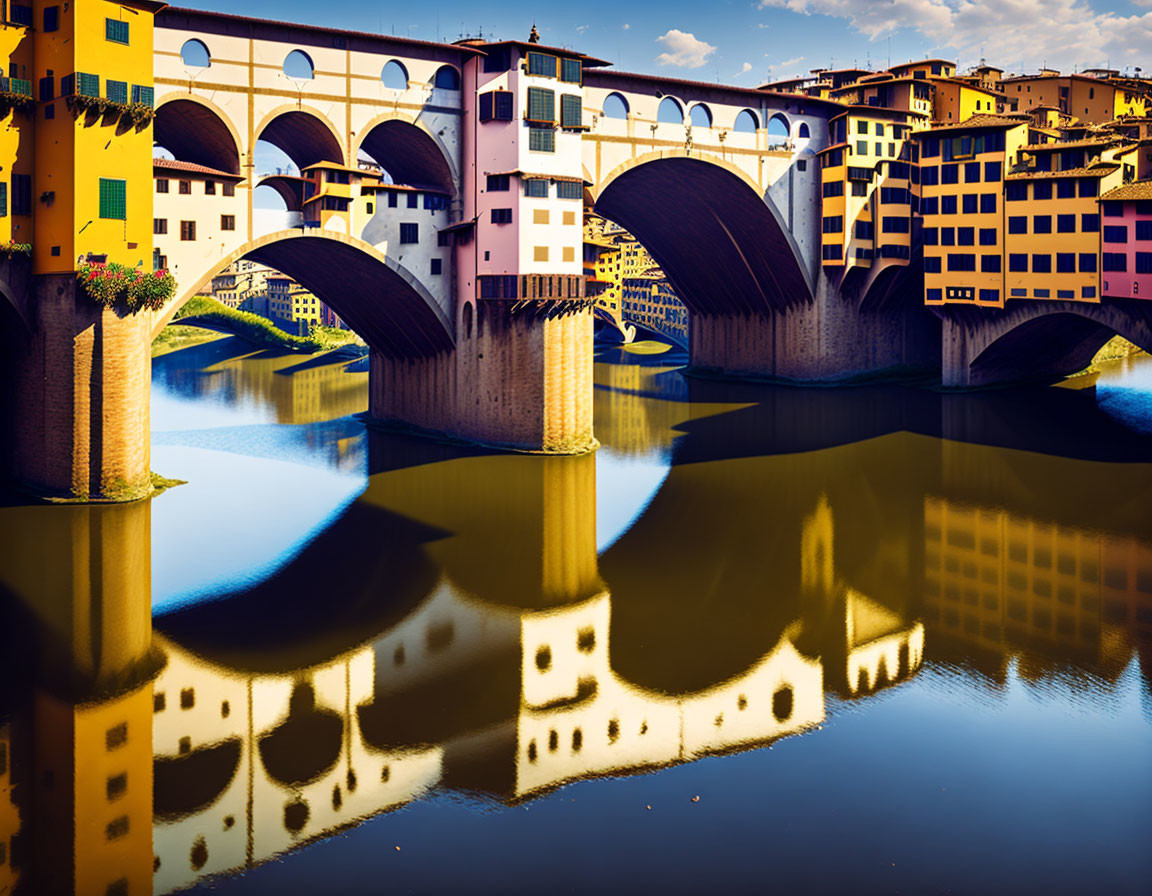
<point x="455" y="629"/>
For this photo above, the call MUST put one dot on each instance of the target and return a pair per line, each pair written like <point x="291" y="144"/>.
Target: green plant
<point x="11" y="248"/>
<point x="116" y="285"/>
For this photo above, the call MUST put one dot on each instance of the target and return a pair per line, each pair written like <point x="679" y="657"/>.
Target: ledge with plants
<point x="11" y="249"/>
<point x="134" y="114"/>
<point x="127" y="289"/>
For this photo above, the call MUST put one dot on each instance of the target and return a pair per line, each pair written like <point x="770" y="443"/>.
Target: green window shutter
<point x="144" y="95"/>
<point x="542" y="64"/>
<point x="116" y="31"/>
<point x="117" y="91"/>
<point x="87" y="85"/>
<point x="570" y="70"/>
<point x="571" y="111"/>
<point x="3" y="200"/>
<point x="541" y="104"/>
<point x="113" y="203"/>
<point x="542" y="140"/>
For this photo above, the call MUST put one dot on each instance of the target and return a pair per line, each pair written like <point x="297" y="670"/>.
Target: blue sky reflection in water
<point x="831" y="650"/>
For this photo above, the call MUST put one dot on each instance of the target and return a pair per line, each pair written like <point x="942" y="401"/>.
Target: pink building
<point x="1126" y="241"/>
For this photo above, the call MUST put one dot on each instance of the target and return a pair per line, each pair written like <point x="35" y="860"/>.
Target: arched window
<point x="298" y="65"/>
<point x="746" y="122"/>
<point x="195" y="54"/>
<point x="447" y="78"/>
<point x="803" y="132"/>
<point x="777" y="128"/>
<point x="670" y="112"/>
<point x="701" y="116"/>
<point x="615" y="106"/>
<point x="395" y="76"/>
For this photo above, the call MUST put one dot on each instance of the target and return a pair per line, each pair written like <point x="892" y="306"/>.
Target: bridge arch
<point x="394" y="75"/>
<point x="615" y="106"/>
<point x="670" y="111"/>
<point x="299" y="66"/>
<point x="700" y="116"/>
<point x="719" y="237"/>
<point x="746" y="122"/>
<point x="447" y="77"/>
<point x="778" y="125"/>
<point x="378" y="297"/>
<point x="196" y="130"/>
<point x="405" y="148"/>
<point x="1039" y="341"/>
<point x="304" y="134"/>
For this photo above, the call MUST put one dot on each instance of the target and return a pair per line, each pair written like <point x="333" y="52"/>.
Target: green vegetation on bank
<point x="177" y="336"/>
<point x="1117" y="349"/>
<point x="259" y="330"/>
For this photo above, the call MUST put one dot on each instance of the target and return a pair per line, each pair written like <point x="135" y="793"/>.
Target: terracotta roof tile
<point x="193" y="168"/>
<point x="1141" y="189"/>
<point x="1095" y="171"/>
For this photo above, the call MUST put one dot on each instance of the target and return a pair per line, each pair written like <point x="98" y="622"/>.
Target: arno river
<point x="765" y="640"/>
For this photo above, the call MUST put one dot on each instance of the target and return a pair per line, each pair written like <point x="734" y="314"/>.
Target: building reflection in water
<point x="455" y="629"/>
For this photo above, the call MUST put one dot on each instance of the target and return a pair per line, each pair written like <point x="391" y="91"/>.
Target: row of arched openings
<point x="298" y="65"/>
<point x="670" y="111"/>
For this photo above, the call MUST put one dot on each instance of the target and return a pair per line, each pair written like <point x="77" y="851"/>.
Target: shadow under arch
<point x="409" y="152"/>
<point x="187" y="784"/>
<point x="303" y="134"/>
<point x="378" y="297"/>
<point x="1044" y="343"/>
<point x="719" y="239"/>
<point x="196" y="130"/>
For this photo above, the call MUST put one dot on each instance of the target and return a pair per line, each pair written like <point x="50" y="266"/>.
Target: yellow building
<point x="1087" y="98"/>
<point x="962" y="170"/>
<point x="92" y="64"/>
<point x="956" y="101"/>
<point x="1052" y="239"/>
<point x="867" y="187"/>
<point x="17" y="114"/>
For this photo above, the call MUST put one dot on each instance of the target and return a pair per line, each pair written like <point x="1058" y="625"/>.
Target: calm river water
<point x="862" y="640"/>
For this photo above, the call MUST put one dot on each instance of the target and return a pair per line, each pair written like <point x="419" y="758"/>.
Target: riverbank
<point x="207" y="313"/>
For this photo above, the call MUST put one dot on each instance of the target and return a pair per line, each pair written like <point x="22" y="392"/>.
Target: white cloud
<point x="744" y="69"/>
<point x="788" y="63"/>
<point x="626" y="26"/>
<point x="683" y="50"/>
<point x="1009" y="33"/>
<point x="580" y="29"/>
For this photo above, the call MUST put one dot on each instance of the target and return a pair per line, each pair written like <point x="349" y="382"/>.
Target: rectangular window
<point x="1015" y="191"/>
<point x="834" y="188"/>
<point x="570" y="70"/>
<point x="1090" y="223"/>
<point x="541" y="105"/>
<point x="1065" y="189"/>
<point x="409" y="233"/>
<point x="931" y="236"/>
<point x="227" y="222"/>
<point x="861" y="127"/>
<point x="961" y="261"/>
<point x="947" y="236"/>
<point x="933" y="295"/>
<point x="47" y="90"/>
<point x="567" y="189"/>
<point x="501" y="216"/>
<point x="1115" y="234"/>
<point x="1042" y="190"/>
<point x="539" y="253"/>
<point x="965" y="236"/>
<point x="443" y="238"/>
<point x="930" y="206"/>
<point x="116" y="91"/>
<point x="992" y="172"/>
<point x="536" y="188"/>
<point x="1089" y="187"/>
<point x="987" y="203"/>
<point x="541" y="64"/>
<point x="931" y="264"/>
<point x="832" y="252"/>
<point x="864" y="231"/>
<point x="542" y="140"/>
<point x="990" y="264"/>
<point x="1065" y="263"/>
<point x="51" y="18"/>
<point x="498" y="183"/>
<point x="229" y="189"/>
<point x="1112" y="209"/>
<point x="930" y="176"/>
<point x="162" y="185"/>
<point x="497" y="105"/>
<point x="861" y="147"/>
<point x="1018" y="263"/>
<point x="159" y="225"/>
<point x="894" y="225"/>
<point x="413" y="200"/>
<point x="209" y="188"/>
<point x="1018" y="224"/>
<point x="22" y="194"/>
<point x="1041" y="264"/>
<point x="116" y="31"/>
<point x="971" y="172"/>
<point x="1114" y="261"/>
<point x="437" y="267"/>
<point x="146" y="96"/>
<point x="1088" y="262"/>
<point x="1065" y="223"/>
<point x="1041" y="223"/>
<point x="970" y="203"/>
<point x="949" y="174"/>
<point x="859" y="188"/>
<point x="185" y="188"/>
<point x="988" y="236"/>
<point x="833" y="224"/>
<point x="990" y="295"/>
<point x="947" y="205"/>
<point x="188" y="231"/>
<point x="113" y="202"/>
<point x="1144" y="230"/>
<point x="571" y="111"/>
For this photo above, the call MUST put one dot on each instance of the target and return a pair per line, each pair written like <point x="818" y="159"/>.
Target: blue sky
<point x="749" y="41"/>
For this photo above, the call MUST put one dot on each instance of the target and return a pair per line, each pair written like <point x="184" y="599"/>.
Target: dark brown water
<point x="866" y="640"/>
